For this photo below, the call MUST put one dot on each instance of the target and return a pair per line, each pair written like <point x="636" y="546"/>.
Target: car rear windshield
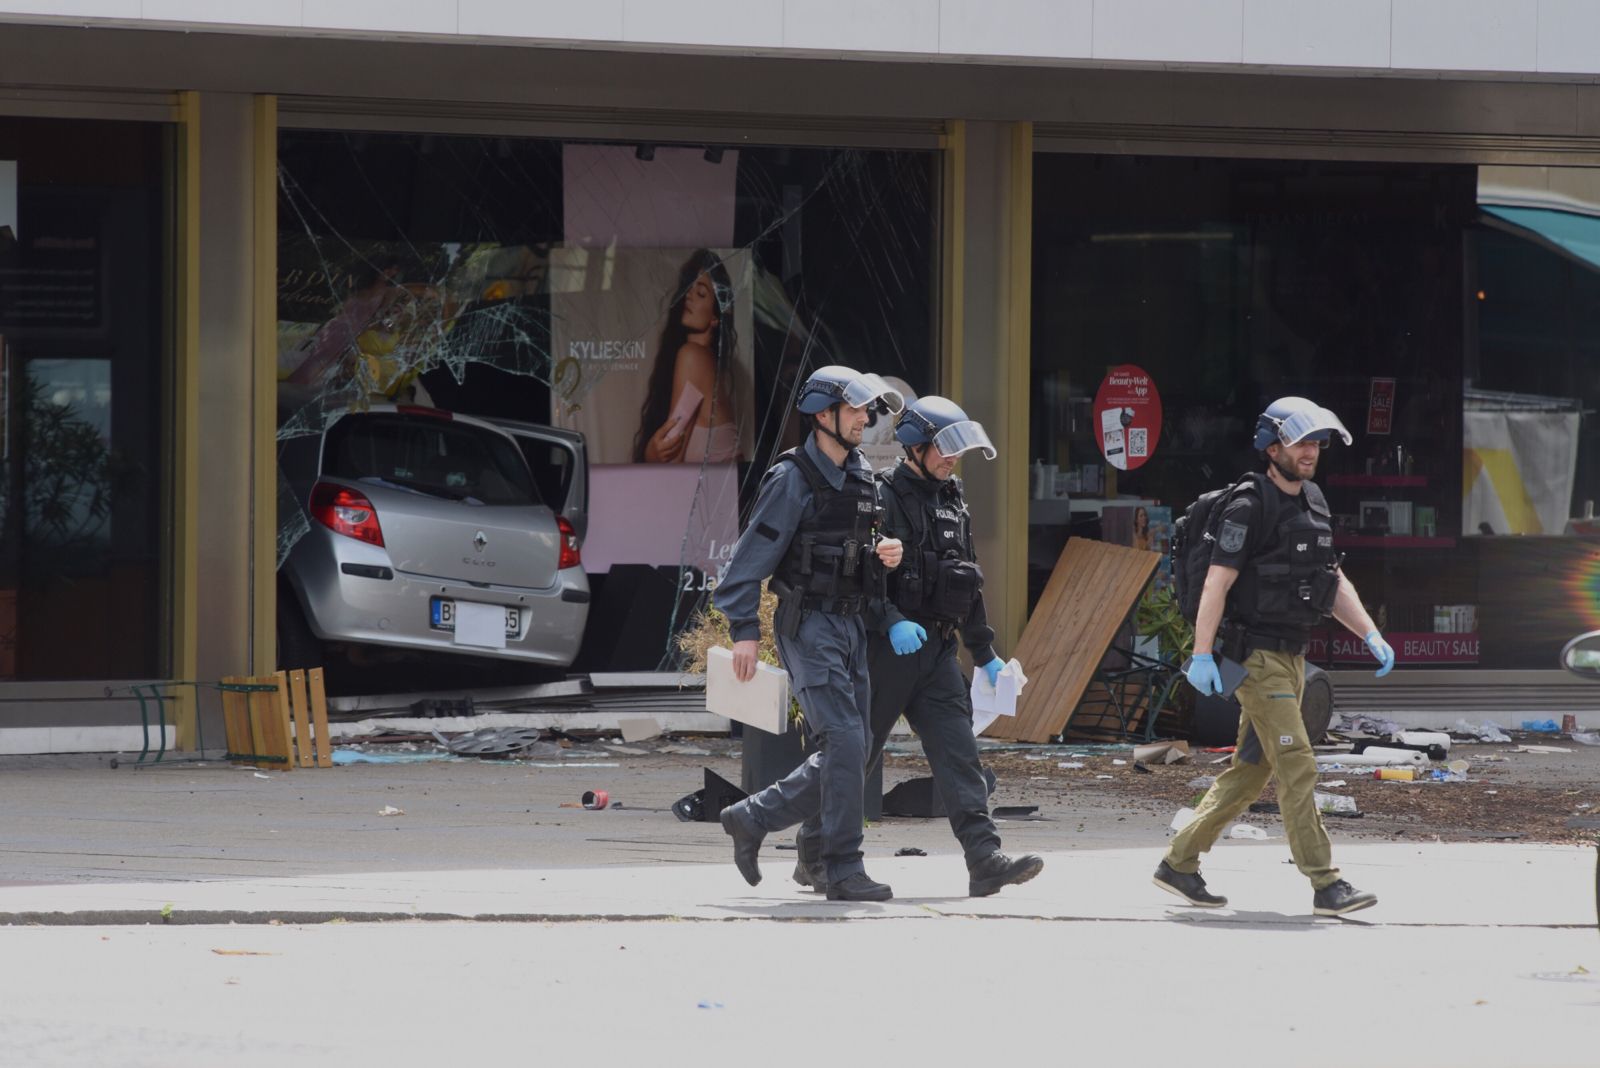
<point x="431" y="455"/>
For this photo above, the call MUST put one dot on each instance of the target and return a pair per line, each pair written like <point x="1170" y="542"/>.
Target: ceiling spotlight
<point x="713" y="155"/>
<point x="645" y="152"/>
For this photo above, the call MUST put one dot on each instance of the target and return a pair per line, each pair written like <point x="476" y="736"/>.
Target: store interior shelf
<point x="1391" y="541"/>
<point x="1378" y="480"/>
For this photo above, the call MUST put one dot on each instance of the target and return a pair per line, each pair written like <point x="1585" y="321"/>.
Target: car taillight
<point x="569" y="544"/>
<point x="344" y="511"/>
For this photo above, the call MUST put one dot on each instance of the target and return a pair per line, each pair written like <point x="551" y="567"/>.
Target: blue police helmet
<point x="836" y="384"/>
<point x="1291" y="420"/>
<point x="941" y="422"/>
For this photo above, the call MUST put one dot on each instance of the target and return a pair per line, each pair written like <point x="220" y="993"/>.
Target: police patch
<point x="1231" y="538"/>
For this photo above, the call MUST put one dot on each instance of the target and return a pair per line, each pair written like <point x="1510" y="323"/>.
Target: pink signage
<point x="1343" y="649"/>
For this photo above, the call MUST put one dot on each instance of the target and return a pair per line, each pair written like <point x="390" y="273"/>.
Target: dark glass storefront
<point x="1449" y="313"/>
<point x="539" y="280"/>
<point x="84" y="221"/>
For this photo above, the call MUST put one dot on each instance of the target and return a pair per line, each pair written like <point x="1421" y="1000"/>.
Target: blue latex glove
<point x="907" y="637"/>
<point x="1380" y="650"/>
<point x="993" y="669"/>
<point x="1203" y="675"/>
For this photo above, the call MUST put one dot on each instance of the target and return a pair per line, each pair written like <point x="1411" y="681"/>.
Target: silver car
<point x="429" y="532"/>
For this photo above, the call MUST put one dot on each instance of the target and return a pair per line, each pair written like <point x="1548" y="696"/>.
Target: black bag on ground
<point x="1194" y="535"/>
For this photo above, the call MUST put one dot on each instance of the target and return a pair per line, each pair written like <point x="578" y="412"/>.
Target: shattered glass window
<point x="662" y="301"/>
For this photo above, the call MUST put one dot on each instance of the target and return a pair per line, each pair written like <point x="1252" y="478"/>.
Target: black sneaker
<point x="996" y="870"/>
<point x="1338" y="898"/>
<point x="858" y="886"/>
<point x="1191" y="888"/>
<point x="746" y="844"/>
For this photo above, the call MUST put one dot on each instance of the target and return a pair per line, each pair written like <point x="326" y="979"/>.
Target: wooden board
<point x="300" y="718"/>
<point x="259" y="705"/>
<point x="319" y="718"/>
<point x="272" y="714"/>
<point x="1091" y="590"/>
<point x="236" y="719"/>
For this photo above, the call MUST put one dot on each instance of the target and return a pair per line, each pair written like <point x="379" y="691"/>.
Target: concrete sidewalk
<point x="1440" y="885"/>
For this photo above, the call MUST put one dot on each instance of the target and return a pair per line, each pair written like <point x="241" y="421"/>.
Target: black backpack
<point x="1194" y="535"/>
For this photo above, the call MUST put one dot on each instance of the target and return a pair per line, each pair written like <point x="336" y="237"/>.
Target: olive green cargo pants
<point x="1269" y="698"/>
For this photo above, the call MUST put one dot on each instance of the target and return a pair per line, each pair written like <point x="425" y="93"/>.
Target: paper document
<point x="763" y="702"/>
<point x="989" y="703"/>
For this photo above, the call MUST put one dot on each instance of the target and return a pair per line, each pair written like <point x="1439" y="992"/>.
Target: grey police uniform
<point x="826" y="658"/>
<point x="927" y="686"/>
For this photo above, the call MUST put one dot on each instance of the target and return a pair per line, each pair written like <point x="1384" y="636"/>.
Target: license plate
<point x="443" y="613"/>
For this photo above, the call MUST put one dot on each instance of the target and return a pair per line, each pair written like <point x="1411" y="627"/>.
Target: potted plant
<point x="765" y="757"/>
<point x="1159" y="618"/>
<point x="1158" y="621"/>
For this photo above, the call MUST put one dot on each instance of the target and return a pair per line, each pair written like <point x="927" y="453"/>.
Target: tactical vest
<point x="937" y="579"/>
<point x="1292" y="582"/>
<point x="829" y="556"/>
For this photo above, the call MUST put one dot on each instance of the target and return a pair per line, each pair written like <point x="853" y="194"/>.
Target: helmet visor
<point x="1316" y="423"/>
<point x="865" y="389"/>
<point x="958" y="438"/>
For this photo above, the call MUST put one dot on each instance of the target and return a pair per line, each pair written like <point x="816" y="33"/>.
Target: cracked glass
<point x="661" y="301"/>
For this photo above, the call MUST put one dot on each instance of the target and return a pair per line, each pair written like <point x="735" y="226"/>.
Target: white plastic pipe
<point x="1376" y="756"/>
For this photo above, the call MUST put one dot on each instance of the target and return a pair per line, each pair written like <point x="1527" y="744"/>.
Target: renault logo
<point x="480" y="540"/>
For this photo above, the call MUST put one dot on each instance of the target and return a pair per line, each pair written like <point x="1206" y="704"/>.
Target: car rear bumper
<point x="396" y="611"/>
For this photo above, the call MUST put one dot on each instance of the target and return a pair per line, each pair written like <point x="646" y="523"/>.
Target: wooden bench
<point x="279" y="721"/>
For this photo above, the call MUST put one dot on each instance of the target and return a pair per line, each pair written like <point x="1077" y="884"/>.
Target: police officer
<point x="935" y="604"/>
<point x="813" y="530"/>
<point x="1273" y="576"/>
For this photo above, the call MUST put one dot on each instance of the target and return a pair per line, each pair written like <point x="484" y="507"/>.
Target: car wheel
<point x="297" y="646"/>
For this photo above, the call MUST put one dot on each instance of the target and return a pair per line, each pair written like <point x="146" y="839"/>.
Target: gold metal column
<point x="953" y="259"/>
<point x="264" y="407"/>
<point x="1014" y="363"/>
<point x="186" y="421"/>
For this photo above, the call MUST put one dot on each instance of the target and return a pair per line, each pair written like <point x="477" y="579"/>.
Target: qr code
<point x="1138" y="441"/>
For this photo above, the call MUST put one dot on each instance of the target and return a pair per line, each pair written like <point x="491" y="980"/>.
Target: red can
<point x="1569" y="723"/>
<point x="595" y="799"/>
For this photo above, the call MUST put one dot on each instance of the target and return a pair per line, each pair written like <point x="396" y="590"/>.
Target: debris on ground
<point x="352" y="755"/>
<point x="638" y="728"/>
<point x="1335" y="804"/>
<point x="1489" y="732"/>
<point x="1161" y="753"/>
<point x="1498" y="791"/>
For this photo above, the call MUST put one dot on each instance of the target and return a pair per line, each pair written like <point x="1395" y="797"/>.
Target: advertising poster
<point x="653" y="365"/>
<point x="1127" y="417"/>
<point x="651" y="345"/>
<point x="1141" y="526"/>
<point x="1380" y="406"/>
<point x="652" y="359"/>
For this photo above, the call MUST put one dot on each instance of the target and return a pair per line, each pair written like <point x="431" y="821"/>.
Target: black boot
<point x="988" y="875"/>
<point x="809" y="870"/>
<point x="1338" y="898"/>
<point x="746" y="843"/>
<point x="1191" y="888"/>
<point x="858" y="886"/>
